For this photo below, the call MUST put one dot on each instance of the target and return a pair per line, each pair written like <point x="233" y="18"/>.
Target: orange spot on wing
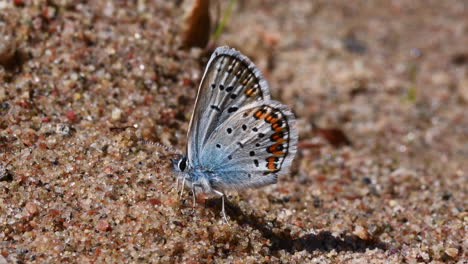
<point x="274" y="149"/>
<point x="271" y="166"/>
<point x="250" y="92"/>
<point x="260" y="114"/>
<point x="271" y="119"/>
<point x="271" y="159"/>
<point x="277" y="128"/>
<point x="278" y="137"/>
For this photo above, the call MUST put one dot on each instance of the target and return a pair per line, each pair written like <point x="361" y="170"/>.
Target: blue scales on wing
<point x="251" y="147"/>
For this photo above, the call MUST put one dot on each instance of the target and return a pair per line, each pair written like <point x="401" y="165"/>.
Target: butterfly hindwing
<point x="251" y="147"/>
<point x="230" y="82"/>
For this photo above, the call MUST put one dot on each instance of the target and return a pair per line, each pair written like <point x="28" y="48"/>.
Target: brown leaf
<point x="336" y="137"/>
<point x="308" y="145"/>
<point x="197" y="25"/>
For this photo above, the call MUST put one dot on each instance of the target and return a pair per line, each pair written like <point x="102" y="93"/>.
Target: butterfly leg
<point x="182" y="190"/>
<point x="223" y="211"/>
<point x="194" y="195"/>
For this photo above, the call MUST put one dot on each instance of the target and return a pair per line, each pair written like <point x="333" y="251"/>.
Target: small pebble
<point x="361" y="232"/>
<point x="463" y="89"/>
<point x="63" y="129"/>
<point x="116" y="114"/>
<point x="2" y="94"/>
<point x="154" y="201"/>
<point x="102" y="225"/>
<point x="452" y="252"/>
<point x="31" y="208"/>
<point x="18" y="2"/>
<point x="5" y="175"/>
<point x="7" y="48"/>
<point x="441" y="79"/>
<point x="70" y="115"/>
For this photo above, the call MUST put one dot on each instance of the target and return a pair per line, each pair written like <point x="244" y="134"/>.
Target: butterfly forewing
<point x="230" y="82"/>
<point x="251" y="147"/>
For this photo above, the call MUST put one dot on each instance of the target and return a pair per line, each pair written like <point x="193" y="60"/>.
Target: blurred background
<point x="379" y="89"/>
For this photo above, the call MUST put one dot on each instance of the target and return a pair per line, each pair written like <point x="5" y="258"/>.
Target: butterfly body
<point x="238" y="137"/>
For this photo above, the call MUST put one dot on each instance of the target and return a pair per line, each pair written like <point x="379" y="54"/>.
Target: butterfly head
<point x="193" y="178"/>
<point x="180" y="164"/>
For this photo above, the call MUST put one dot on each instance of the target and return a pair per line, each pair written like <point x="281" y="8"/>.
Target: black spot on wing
<point x="216" y="108"/>
<point x="256" y="163"/>
<point x="232" y="109"/>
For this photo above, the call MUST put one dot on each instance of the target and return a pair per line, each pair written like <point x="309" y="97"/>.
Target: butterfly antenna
<point x="167" y="148"/>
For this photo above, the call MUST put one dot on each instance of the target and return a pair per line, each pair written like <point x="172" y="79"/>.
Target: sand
<point x="380" y="91"/>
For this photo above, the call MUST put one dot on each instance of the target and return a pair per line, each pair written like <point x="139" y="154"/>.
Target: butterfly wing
<point x="230" y="82"/>
<point x="252" y="147"/>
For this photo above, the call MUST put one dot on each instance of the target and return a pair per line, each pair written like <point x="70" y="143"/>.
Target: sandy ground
<point x="379" y="88"/>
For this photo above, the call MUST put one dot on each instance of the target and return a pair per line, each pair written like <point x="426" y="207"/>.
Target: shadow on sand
<point x="323" y="241"/>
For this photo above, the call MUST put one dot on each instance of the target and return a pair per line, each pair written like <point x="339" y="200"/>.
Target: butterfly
<point x="238" y="137"/>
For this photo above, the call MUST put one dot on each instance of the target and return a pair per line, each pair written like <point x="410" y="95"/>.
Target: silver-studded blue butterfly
<point x="238" y="137"/>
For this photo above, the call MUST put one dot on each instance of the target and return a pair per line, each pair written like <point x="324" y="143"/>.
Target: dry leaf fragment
<point x="197" y="25"/>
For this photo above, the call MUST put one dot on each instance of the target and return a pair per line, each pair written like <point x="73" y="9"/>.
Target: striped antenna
<point x="167" y="148"/>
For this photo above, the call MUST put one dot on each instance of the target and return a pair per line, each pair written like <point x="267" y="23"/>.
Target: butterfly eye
<point x="182" y="164"/>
